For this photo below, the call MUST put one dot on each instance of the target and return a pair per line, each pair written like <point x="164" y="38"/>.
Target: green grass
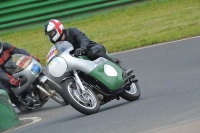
<point x="126" y="28"/>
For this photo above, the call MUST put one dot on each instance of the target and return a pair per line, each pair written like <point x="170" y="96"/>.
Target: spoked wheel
<point x="132" y="93"/>
<point x="86" y="103"/>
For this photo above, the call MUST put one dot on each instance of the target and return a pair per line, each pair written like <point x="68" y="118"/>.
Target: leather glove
<point x="79" y="51"/>
<point x="37" y="59"/>
<point x="14" y="82"/>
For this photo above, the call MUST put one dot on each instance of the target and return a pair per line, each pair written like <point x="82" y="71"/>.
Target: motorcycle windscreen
<point x="108" y="74"/>
<point x="58" y="49"/>
<point x="17" y="63"/>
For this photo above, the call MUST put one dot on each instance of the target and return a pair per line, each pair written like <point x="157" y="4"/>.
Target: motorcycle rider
<point x="55" y="32"/>
<point x="6" y="80"/>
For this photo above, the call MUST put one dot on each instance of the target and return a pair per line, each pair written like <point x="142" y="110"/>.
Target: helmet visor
<point x="51" y="34"/>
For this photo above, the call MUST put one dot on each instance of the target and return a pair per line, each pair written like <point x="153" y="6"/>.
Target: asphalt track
<point x="168" y="76"/>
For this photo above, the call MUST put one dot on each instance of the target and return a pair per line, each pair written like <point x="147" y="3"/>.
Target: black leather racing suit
<point x="79" y="40"/>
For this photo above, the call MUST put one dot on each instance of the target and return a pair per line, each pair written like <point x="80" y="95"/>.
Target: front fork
<point x="78" y="82"/>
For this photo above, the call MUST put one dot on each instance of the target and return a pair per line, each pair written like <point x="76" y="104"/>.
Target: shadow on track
<point x="78" y="115"/>
<point x="43" y="109"/>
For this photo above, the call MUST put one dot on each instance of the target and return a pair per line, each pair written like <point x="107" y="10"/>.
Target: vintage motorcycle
<point x="35" y="88"/>
<point x="89" y="84"/>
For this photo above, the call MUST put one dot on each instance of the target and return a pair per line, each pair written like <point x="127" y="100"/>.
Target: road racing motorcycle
<point x="35" y="88"/>
<point x="89" y="84"/>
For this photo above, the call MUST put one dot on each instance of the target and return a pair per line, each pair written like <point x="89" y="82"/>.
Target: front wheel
<point x="86" y="103"/>
<point x="132" y="93"/>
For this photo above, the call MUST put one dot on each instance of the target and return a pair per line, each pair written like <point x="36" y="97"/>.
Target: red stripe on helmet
<point x="57" y="24"/>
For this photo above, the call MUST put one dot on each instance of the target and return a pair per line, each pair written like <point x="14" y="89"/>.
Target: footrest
<point x="129" y="71"/>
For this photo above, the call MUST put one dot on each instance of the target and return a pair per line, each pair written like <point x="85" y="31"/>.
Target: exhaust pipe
<point x="43" y="90"/>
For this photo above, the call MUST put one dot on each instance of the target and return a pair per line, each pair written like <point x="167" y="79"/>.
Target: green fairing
<point x="83" y="57"/>
<point x="111" y="82"/>
<point x="86" y="58"/>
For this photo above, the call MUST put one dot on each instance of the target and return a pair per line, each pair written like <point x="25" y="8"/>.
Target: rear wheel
<point x="15" y="101"/>
<point x="86" y="103"/>
<point x="22" y="108"/>
<point x="132" y="93"/>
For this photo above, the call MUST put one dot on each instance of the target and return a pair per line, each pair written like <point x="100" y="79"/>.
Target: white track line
<point x="155" y="45"/>
<point x="35" y="119"/>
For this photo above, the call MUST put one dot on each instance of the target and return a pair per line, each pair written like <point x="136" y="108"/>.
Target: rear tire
<point x="87" y="103"/>
<point x="14" y="100"/>
<point x="22" y="108"/>
<point x="132" y="93"/>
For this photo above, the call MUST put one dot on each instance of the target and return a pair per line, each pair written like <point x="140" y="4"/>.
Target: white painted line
<point x="155" y="45"/>
<point x="34" y="120"/>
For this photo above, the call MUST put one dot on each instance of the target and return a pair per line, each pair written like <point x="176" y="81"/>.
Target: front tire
<point x="87" y="103"/>
<point x="132" y="93"/>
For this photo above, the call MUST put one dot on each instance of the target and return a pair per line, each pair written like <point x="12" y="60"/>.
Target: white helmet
<point x="53" y="29"/>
